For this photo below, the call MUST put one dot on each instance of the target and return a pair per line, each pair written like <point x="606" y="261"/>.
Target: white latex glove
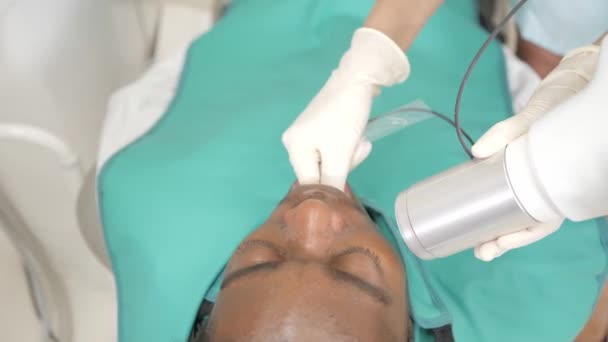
<point x="573" y="73"/>
<point x="326" y="141"/>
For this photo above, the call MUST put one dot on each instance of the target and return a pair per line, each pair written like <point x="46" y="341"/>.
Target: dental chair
<point x="179" y="25"/>
<point x="72" y="296"/>
<point x="47" y="290"/>
<point x="89" y="220"/>
<point x="59" y="256"/>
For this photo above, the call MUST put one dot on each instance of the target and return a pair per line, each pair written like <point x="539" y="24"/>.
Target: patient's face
<point x="317" y="270"/>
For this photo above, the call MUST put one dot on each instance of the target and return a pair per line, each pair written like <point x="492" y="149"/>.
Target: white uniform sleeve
<point x="569" y="146"/>
<point x="136" y="108"/>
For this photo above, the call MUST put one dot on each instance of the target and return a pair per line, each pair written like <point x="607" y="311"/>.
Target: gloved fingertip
<point x="501" y="253"/>
<point x="363" y="149"/>
<point x="335" y="182"/>
<point x="487" y="251"/>
<point x="308" y="180"/>
<point x="482" y="257"/>
<point x="335" y="168"/>
<point x="365" y="145"/>
<point x="361" y="153"/>
<point x="335" y="179"/>
<point x="477" y="253"/>
<point x="500" y="135"/>
<point x="488" y="145"/>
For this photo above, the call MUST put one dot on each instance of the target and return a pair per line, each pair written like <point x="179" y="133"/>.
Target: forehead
<point x="297" y="299"/>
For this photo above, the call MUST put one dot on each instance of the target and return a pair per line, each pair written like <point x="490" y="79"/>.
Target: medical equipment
<point x="527" y="183"/>
<point x="386" y="124"/>
<point x="403" y="117"/>
<point x="461" y="133"/>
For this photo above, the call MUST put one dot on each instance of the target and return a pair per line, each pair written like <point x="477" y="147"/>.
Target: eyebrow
<point x="365" y="287"/>
<point x="243" y="272"/>
<point x="264" y="243"/>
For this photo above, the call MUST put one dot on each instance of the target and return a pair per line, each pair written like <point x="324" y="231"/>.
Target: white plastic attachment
<point x="396" y="120"/>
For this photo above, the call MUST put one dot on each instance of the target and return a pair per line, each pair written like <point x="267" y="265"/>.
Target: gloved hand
<point x="573" y="73"/>
<point x="326" y="141"/>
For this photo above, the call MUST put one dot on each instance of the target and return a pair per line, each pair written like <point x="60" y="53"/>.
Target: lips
<point x="323" y="193"/>
<point x="319" y="195"/>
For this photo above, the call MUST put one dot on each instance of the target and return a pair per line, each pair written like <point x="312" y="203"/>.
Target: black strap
<point x="486" y="11"/>
<point x="443" y="334"/>
<point x="199" y="323"/>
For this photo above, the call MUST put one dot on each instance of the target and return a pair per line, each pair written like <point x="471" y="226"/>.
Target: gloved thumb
<point x="361" y="153"/>
<point x="501" y="134"/>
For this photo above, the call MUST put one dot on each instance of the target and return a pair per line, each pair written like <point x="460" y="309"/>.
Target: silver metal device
<point x="460" y="208"/>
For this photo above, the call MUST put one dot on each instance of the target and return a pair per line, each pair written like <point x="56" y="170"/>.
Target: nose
<point x="313" y="225"/>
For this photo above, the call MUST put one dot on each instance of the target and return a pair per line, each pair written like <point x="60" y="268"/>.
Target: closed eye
<point x="373" y="257"/>
<point x="258" y="255"/>
<point x="247" y="245"/>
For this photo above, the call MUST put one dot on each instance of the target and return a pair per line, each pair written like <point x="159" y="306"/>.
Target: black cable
<point x="460" y="132"/>
<point x="485" y="45"/>
<point x="451" y="122"/>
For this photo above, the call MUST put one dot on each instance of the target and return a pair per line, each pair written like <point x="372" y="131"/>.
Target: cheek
<point x="393" y="267"/>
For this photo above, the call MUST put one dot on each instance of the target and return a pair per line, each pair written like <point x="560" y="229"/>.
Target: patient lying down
<point x="317" y="270"/>
<point x="320" y="270"/>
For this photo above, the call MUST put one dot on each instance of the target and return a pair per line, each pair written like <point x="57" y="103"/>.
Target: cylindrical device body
<point x="460" y="208"/>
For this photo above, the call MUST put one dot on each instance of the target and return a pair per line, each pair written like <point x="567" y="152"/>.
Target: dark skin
<point x="541" y="60"/>
<point x="317" y="270"/>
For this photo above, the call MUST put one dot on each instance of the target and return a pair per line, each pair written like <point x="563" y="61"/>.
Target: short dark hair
<point x="202" y="327"/>
<point x="203" y="333"/>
